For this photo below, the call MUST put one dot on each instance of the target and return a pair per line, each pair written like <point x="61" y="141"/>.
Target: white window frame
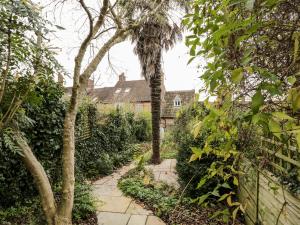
<point x="177" y="101"/>
<point x="118" y="90"/>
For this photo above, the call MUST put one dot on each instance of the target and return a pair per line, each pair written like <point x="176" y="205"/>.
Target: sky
<point x="178" y="75"/>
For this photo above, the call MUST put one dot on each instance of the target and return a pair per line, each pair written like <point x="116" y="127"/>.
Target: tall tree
<point x="56" y="213"/>
<point x="155" y="34"/>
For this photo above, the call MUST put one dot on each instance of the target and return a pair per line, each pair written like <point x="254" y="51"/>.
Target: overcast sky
<point x="178" y="75"/>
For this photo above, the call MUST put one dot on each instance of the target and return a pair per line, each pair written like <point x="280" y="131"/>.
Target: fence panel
<point x="267" y="201"/>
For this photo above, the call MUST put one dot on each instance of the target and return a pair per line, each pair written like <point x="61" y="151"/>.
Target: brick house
<point x="135" y="94"/>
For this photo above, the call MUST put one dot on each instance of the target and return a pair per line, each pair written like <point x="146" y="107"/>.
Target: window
<point x="127" y="90"/>
<point x="177" y="101"/>
<point x="138" y="107"/>
<point x="118" y="90"/>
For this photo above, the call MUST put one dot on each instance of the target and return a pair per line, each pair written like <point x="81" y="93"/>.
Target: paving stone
<point x="137" y="220"/>
<point x="102" y="180"/>
<point x="112" y="204"/>
<point x="173" y="164"/>
<point x="169" y="178"/>
<point x="106" y="190"/>
<point x="166" y="164"/>
<point x="156" y="175"/>
<point x="112" y="182"/>
<point x="115" y="209"/>
<point x="108" y="218"/>
<point x="137" y="209"/>
<point x="154" y="220"/>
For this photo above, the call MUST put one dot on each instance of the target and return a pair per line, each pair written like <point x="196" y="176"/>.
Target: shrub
<point x="142" y="127"/>
<point x="44" y="134"/>
<point x="110" y="145"/>
<point x="190" y="173"/>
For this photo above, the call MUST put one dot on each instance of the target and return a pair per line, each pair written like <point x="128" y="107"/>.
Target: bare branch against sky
<point x="68" y="15"/>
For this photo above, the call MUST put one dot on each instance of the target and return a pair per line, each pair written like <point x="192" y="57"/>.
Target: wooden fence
<point x="267" y="200"/>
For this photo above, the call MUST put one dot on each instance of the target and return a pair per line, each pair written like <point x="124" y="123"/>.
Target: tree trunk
<point x="41" y="180"/>
<point x="64" y="212"/>
<point x="155" y="85"/>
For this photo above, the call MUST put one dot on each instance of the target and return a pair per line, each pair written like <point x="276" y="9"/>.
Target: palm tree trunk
<point x="155" y="85"/>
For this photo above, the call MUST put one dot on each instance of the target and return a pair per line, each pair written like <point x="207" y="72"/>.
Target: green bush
<point x="110" y="145"/>
<point x="190" y="173"/>
<point x="142" y="127"/>
<point x="44" y="134"/>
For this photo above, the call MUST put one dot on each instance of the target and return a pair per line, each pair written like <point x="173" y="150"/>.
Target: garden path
<point x="113" y="208"/>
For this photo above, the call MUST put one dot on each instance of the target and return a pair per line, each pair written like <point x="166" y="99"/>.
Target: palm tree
<point x="156" y="34"/>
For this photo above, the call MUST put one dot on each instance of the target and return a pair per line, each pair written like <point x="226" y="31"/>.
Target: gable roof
<point x="138" y="91"/>
<point x="128" y="91"/>
<point x="168" y="109"/>
<point x="102" y="93"/>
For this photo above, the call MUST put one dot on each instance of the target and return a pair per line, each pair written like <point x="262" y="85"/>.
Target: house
<point x="135" y="94"/>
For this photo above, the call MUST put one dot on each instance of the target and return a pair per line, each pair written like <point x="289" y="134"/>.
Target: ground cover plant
<point x="165" y="201"/>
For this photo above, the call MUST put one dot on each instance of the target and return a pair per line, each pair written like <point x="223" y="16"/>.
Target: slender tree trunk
<point x="155" y="85"/>
<point x="64" y="212"/>
<point x="41" y="180"/>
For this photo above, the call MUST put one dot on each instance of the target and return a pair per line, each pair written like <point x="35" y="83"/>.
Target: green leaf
<point x="202" y="198"/>
<point x="223" y="197"/>
<point x="226" y="185"/>
<point x="201" y="182"/>
<point x="257" y="100"/>
<point x="197" y="129"/>
<point x="294" y="98"/>
<point x="274" y="127"/>
<point x="215" y="193"/>
<point x="235" y="181"/>
<point x="234" y="213"/>
<point x="292" y="79"/>
<point x="237" y="75"/>
<point x="282" y="116"/>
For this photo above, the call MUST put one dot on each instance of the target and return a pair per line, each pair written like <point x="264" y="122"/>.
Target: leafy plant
<point x="251" y="83"/>
<point x="83" y="202"/>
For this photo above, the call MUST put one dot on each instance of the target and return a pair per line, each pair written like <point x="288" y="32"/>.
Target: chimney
<point x="122" y="77"/>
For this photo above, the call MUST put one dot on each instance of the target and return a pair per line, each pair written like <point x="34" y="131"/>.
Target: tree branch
<point x="40" y="178"/>
<point x="115" y="17"/>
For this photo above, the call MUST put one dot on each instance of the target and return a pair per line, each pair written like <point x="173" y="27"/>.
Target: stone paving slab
<point x="103" y="190"/>
<point x="165" y="172"/>
<point x="113" y="204"/>
<point x="137" y="220"/>
<point x="137" y="209"/>
<point x="154" y="220"/>
<point x="109" y="218"/>
<point x="115" y="209"/>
